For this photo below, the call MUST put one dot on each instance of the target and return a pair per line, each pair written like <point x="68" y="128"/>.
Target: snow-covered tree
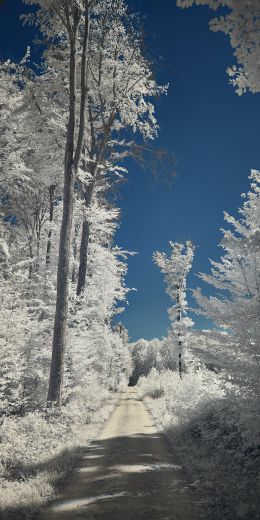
<point x="119" y="105"/>
<point x="95" y="47"/>
<point x="66" y="24"/>
<point x="236" y="280"/>
<point x="151" y="354"/>
<point x="31" y="177"/>
<point x="93" y="343"/>
<point x="240" y="20"/>
<point x="176" y="268"/>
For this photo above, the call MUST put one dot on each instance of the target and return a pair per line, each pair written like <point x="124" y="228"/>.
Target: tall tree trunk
<point x="83" y="257"/>
<point x="179" y="335"/>
<point x="51" y="210"/>
<point x="30" y="270"/>
<point x="88" y="194"/>
<point x="72" y="160"/>
<point x="58" y="346"/>
<point x="75" y="252"/>
<point x="85" y="233"/>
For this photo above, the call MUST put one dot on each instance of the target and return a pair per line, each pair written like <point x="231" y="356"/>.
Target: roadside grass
<point x="38" y="452"/>
<point x="215" y="436"/>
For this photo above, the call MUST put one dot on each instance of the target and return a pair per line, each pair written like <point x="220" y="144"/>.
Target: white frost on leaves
<point x="176" y="268"/>
<point x="241" y="22"/>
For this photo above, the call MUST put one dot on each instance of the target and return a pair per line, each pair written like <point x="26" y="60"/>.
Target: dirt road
<point x="128" y="474"/>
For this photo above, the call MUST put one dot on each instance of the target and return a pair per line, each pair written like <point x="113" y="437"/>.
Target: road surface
<point x="130" y="473"/>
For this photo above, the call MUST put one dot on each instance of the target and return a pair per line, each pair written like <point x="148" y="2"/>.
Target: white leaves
<point x="242" y="25"/>
<point x="4" y="249"/>
<point x="26" y="57"/>
<point x="35" y="108"/>
<point x="176" y="266"/>
<point x="236" y="277"/>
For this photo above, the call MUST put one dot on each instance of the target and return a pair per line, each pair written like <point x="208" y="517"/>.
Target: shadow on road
<point x="126" y="477"/>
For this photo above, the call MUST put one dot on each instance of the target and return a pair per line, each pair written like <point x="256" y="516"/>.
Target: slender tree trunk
<point x="57" y="362"/>
<point x="75" y="252"/>
<point x="72" y="159"/>
<point x="179" y="336"/>
<point x="58" y="347"/>
<point x="82" y="272"/>
<point x="83" y="257"/>
<point x="51" y="211"/>
<point x="30" y="271"/>
<point x="84" y="242"/>
<point x="38" y="240"/>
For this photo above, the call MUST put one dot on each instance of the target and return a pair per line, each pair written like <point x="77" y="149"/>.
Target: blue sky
<point x="213" y="133"/>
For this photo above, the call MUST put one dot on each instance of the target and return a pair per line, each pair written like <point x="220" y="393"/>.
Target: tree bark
<point x="57" y="362"/>
<point x="88" y="194"/>
<point x="58" y="346"/>
<point x="72" y="159"/>
<point x="84" y="242"/>
<point x="75" y="252"/>
<point x="83" y="257"/>
<point x="179" y="335"/>
<point x="51" y="210"/>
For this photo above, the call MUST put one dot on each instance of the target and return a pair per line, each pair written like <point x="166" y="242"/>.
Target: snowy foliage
<point x="176" y="268"/>
<point x="240" y="20"/>
<point x="211" y="413"/>
<point x="89" y="105"/>
<point x="215" y="436"/>
<point x="151" y="354"/>
<point x="35" y="111"/>
<point x="35" y="105"/>
<point x="236" y="281"/>
<point x="181" y="397"/>
<point x="49" y="445"/>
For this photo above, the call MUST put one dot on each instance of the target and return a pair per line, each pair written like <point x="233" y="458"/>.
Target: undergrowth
<point x="215" y="434"/>
<point x="32" y="469"/>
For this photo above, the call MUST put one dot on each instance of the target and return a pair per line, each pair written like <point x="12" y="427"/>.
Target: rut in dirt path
<point x="130" y="473"/>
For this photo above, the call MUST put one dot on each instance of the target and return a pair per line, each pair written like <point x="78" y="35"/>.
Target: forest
<point x="72" y="124"/>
